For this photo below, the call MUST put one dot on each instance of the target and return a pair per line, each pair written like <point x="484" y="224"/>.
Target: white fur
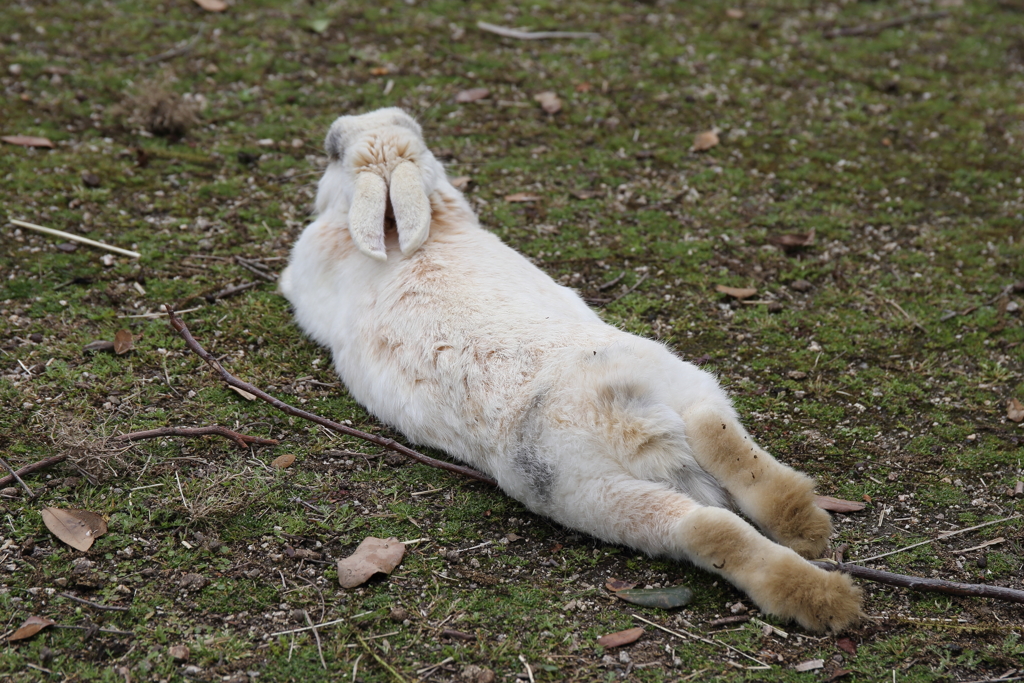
<point x="463" y="345"/>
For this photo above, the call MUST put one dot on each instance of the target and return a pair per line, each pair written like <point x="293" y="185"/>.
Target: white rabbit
<point x="463" y="345"/>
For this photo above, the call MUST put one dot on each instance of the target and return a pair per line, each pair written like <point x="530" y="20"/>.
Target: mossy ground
<point x="886" y="376"/>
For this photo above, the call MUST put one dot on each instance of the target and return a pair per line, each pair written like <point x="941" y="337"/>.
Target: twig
<point x="679" y="634"/>
<point x="76" y="238"/>
<point x="18" y="478"/>
<point x="921" y="584"/>
<point x="307" y="628"/>
<point x="380" y="661"/>
<point x="94" y="605"/>
<point x="520" y="34"/>
<point x="316" y="635"/>
<point x="231" y="291"/>
<point x="873" y="29"/>
<point x="34" y="467"/>
<point x="242" y="440"/>
<point x="611" y="283"/>
<point x="631" y="289"/>
<point x="175" y="51"/>
<point x="390" y="444"/>
<point x="940" y="537"/>
<point x="256" y="269"/>
<point x="529" y="669"/>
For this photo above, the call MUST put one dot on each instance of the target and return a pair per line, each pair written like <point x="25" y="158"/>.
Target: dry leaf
<point x="27" y="141"/>
<point x="123" y="342"/>
<point x="665" y="598"/>
<point x="379" y="71"/>
<point x="615" y="585"/>
<point x="373" y="556"/>
<point x="810" y="665"/>
<point x="837" y="505"/>
<point x="521" y="197"/>
<point x="736" y="292"/>
<point x="461" y="183"/>
<point x="866" y="498"/>
<point x="584" y="87"/>
<point x="839" y="673"/>
<point x="243" y="393"/>
<point x="620" y="638"/>
<point x="847" y="645"/>
<point x="32" y="626"/>
<point x="705" y="141"/>
<point x="792" y="241"/>
<point x="586" y="194"/>
<point x="282" y="461"/>
<point x="212" y="5"/>
<point x="734" y="13"/>
<point x="472" y="95"/>
<point x="549" y="102"/>
<point x="1015" y="410"/>
<point x="77" y="528"/>
<point x="99" y="345"/>
<point x="179" y="653"/>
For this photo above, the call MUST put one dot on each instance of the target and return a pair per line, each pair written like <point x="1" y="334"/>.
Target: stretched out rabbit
<point x="459" y="342"/>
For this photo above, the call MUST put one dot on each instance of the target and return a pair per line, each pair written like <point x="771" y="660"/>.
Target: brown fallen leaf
<point x="735" y="13"/>
<point x="77" y="528"/>
<point x="373" y="556"/>
<point x="584" y="87"/>
<point x="123" y="342"/>
<point x="212" y="5"/>
<point x="837" y="504"/>
<point x="792" y="241"/>
<point x="838" y="673"/>
<point x="705" y="141"/>
<point x="179" y="653"/>
<point x="736" y="292"/>
<point x="32" y="626"/>
<point x="549" y="102"/>
<point x="472" y="95"/>
<point x="616" y="585"/>
<point x="379" y="71"/>
<point x="847" y="645"/>
<point x="283" y="461"/>
<point x="1015" y="410"/>
<point x="810" y="665"/>
<point x="27" y="141"/>
<point x="521" y="197"/>
<point x="99" y="345"/>
<point x="620" y="638"/>
<point x="461" y="183"/>
<point x="243" y="393"/>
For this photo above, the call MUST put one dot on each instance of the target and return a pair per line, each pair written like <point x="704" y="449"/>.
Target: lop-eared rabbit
<point x="460" y="343"/>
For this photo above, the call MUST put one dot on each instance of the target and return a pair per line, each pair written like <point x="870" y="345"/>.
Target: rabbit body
<point x="463" y="345"/>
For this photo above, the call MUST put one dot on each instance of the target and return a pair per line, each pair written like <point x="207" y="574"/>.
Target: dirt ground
<point x="864" y="177"/>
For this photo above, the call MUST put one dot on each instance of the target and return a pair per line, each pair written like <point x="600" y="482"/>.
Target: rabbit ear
<point x="411" y="206"/>
<point x="366" y="217"/>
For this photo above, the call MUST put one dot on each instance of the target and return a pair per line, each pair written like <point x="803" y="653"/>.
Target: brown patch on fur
<point x="448" y="216"/>
<point x="336" y="241"/>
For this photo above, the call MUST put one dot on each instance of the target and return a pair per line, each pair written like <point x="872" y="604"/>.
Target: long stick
<point x="75" y="238"/>
<point x="243" y="440"/>
<point x="389" y="444"/>
<point x="916" y="583"/>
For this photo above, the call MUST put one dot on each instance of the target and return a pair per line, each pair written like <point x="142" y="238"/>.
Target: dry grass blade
<point x="75" y="238"/>
<point x="520" y="34"/>
<point x="27" y="141"/>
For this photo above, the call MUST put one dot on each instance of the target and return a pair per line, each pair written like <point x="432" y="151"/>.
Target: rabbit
<point x="460" y="343"/>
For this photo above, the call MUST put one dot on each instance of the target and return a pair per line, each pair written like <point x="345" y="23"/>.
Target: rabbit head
<point x="379" y="161"/>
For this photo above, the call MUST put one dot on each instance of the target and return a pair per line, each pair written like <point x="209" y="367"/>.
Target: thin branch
<point x="940" y="537"/>
<point x="94" y="605"/>
<point x="915" y="583"/>
<point x="34" y="467"/>
<point x="874" y="29"/>
<point x="18" y="478"/>
<point x="175" y="51"/>
<point x="75" y="238"/>
<point x="231" y="291"/>
<point x="390" y="444"/>
<point x="520" y="34"/>
<point x="256" y="269"/>
<point x="243" y="440"/>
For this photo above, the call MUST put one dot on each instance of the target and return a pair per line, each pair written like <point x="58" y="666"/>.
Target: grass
<point x="887" y="377"/>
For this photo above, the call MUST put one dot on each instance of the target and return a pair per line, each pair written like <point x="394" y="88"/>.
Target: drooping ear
<point x="366" y="216"/>
<point x="411" y="206"/>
